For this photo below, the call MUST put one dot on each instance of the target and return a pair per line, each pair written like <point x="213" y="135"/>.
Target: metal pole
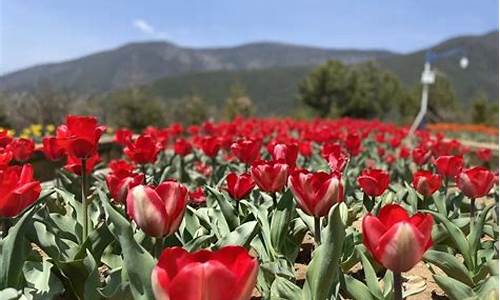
<point x="427" y="79"/>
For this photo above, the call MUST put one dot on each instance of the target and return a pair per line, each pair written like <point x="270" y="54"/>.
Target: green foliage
<point x="190" y="110"/>
<point x="483" y="111"/>
<point x="238" y="103"/>
<point x="134" y="109"/>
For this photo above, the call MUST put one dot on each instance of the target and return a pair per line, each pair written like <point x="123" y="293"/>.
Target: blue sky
<point x="39" y="31"/>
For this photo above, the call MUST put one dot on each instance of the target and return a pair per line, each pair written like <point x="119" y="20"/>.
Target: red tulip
<point x="197" y="197"/>
<point x="270" y="176"/>
<point x="158" y="211"/>
<point x="182" y="147"/>
<point x="22" y="148"/>
<point x="404" y="152"/>
<point x="52" y="149"/>
<point x="121" y="179"/>
<point x="123" y="136"/>
<point x="396" y="240"/>
<point x="247" y="150"/>
<point x="6" y="157"/>
<point x="286" y="153"/>
<point x="305" y="149"/>
<point x="143" y="150"/>
<point x="421" y="155"/>
<point x="80" y="136"/>
<point x="239" y="186"/>
<point x="229" y="273"/>
<point x="484" y="154"/>
<point x="5" y="138"/>
<point x="210" y="145"/>
<point x="18" y="190"/>
<point x="316" y="192"/>
<point x="74" y="164"/>
<point x="374" y="182"/>
<point x="426" y="183"/>
<point x="475" y="182"/>
<point x="449" y="166"/>
<point x="353" y="143"/>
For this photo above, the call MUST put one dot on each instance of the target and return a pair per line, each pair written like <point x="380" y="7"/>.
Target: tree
<point x="135" y="110"/>
<point x="484" y="111"/>
<point x="190" y="110"/>
<point x="326" y="86"/>
<point x="443" y="105"/>
<point x="238" y="103"/>
<point x="374" y="92"/>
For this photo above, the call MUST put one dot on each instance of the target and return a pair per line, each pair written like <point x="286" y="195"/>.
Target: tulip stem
<point x="85" y="232"/>
<point x="472" y="209"/>
<point x="4" y="227"/>
<point x="317" y="230"/>
<point x="158" y="247"/>
<point x="275" y="200"/>
<point x="398" y="286"/>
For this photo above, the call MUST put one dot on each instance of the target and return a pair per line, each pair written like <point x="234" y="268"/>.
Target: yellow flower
<point x="109" y="130"/>
<point x="50" y="128"/>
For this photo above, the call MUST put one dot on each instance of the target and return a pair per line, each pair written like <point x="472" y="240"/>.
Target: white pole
<point x="427" y="79"/>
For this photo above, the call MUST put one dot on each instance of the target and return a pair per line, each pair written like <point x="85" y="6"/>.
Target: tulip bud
<point x="316" y="192"/>
<point x="426" y="183"/>
<point x="396" y="240"/>
<point x="19" y="190"/>
<point x="374" y="182"/>
<point x="157" y="211"/>
<point x="240" y="186"/>
<point x="449" y="166"/>
<point x="247" y="150"/>
<point x="475" y="182"/>
<point x="270" y="176"/>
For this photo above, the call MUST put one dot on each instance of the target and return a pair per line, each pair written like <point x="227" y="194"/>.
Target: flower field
<point x="249" y="209"/>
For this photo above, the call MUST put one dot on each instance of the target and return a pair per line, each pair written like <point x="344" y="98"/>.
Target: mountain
<point x="142" y="63"/>
<point x="274" y="90"/>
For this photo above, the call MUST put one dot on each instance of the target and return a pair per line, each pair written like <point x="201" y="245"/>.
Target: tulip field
<point x="249" y="209"/>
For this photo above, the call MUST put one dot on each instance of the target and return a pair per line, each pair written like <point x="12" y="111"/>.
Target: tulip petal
<point x="373" y="230"/>
<point x="147" y="209"/>
<point x="203" y="281"/>
<point x="392" y="214"/>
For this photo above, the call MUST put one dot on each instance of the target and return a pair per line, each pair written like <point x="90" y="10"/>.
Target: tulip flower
<point x="449" y="166"/>
<point x="316" y="193"/>
<point x="6" y="157"/>
<point x="80" y="136"/>
<point x="22" y="148"/>
<point x="484" y="154"/>
<point x="286" y="153"/>
<point x="239" y="186"/>
<point x="247" y="150"/>
<point x="74" y="164"/>
<point x="182" y="147"/>
<point x="121" y="179"/>
<point x="123" y="136"/>
<point x="18" y="190"/>
<point x="52" y="149"/>
<point x="421" y="155"/>
<point x="229" y="273"/>
<point x="353" y="144"/>
<point x="396" y="240"/>
<point x="373" y="182"/>
<point x="197" y="197"/>
<point x="158" y="211"/>
<point x="426" y="183"/>
<point x="5" y="138"/>
<point x="210" y="146"/>
<point x="336" y="156"/>
<point x="270" y="176"/>
<point x="143" y="150"/>
<point x="475" y="183"/>
<point x="305" y="149"/>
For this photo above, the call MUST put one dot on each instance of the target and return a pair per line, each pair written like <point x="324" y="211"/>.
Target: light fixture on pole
<point x="429" y="77"/>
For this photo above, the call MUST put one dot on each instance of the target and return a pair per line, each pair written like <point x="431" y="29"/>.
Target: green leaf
<point x="356" y="289"/>
<point x="450" y="265"/>
<point x="458" y="238"/>
<point x="138" y="263"/>
<point x="284" y="289"/>
<point x="42" y="280"/>
<point x="81" y="276"/>
<point x="370" y="276"/>
<point x="477" y="230"/>
<point x="198" y="242"/>
<point x="13" y="252"/>
<point x="281" y="219"/>
<point x="226" y="207"/>
<point x="322" y="275"/>
<point x="454" y="289"/>
<point x="242" y="235"/>
<point x="10" y="294"/>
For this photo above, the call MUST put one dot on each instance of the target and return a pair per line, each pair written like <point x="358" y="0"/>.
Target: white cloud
<point x="148" y="29"/>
